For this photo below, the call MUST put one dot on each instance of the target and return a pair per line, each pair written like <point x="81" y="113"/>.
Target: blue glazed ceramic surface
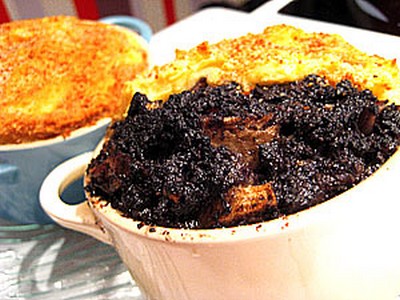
<point x="23" y="168"/>
<point x="132" y="23"/>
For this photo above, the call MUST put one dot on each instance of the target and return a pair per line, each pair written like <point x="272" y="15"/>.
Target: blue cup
<point x="24" y="167"/>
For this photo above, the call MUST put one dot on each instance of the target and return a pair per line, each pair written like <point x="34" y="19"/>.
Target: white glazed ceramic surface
<point x="345" y="248"/>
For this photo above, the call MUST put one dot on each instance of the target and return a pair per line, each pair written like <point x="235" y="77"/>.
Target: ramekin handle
<point x="79" y="216"/>
<point x="132" y="23"/>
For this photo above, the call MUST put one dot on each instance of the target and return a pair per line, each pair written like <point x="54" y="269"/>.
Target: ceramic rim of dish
<point x="58" y="139"/>
<point x="318" y="214"/>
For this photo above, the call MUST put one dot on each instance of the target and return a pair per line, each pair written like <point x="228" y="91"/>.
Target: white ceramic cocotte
<point x="345" y="248"/>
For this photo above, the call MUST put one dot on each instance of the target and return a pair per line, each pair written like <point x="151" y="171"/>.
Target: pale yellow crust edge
<point x="279" y="54"/>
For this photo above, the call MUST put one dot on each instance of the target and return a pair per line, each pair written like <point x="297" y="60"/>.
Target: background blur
<point x="158" y="13"/>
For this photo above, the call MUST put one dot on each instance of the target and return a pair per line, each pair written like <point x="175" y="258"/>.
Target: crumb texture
<point x="279" y="54"/>
<point x="219" y="155"/>
<point x="61" y="73"/>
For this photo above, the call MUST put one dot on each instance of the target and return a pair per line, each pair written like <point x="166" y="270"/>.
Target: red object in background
<point x="169" y="8"/>
<point x="87" y="9"/>
<point x="4" y="17"/>
<point x="114" y="7"/>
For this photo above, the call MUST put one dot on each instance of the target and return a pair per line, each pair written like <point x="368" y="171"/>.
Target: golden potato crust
<point x="280" y="53"/>
<point x="61" y="73"/>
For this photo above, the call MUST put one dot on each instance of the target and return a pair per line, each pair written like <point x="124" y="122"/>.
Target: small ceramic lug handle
<point x="78" y="217"/>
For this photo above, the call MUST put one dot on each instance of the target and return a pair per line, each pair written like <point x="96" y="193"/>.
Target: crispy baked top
<point x="61" y="73"/>
<point x="280" y="53"/>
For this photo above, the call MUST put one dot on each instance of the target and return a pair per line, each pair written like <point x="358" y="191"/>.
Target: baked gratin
<point x="279" y="54"/>
<point x="61" y="73"/>
<point x="248" y="130"/>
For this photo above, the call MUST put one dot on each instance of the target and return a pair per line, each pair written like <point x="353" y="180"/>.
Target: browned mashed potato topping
<point x="244" y="131"/>
<point x="279" y="54"/>
<point x="61" y="73"/>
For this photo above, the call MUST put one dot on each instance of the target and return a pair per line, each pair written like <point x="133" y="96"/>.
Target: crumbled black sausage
<point x="160" y="166"/>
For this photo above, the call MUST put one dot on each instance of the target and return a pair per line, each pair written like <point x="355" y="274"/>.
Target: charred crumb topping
<point x="297" y="144"/>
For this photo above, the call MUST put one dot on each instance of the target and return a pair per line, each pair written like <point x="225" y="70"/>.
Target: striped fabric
<point x="158" y="13"/>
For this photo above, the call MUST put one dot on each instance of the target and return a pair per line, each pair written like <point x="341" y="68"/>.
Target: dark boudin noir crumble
<point x="215" y="156"/>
